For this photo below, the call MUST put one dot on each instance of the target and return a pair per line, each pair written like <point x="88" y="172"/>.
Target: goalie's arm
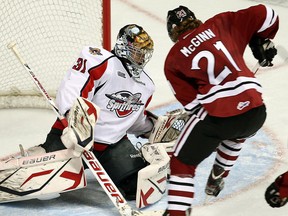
<point x="144" y="125"/>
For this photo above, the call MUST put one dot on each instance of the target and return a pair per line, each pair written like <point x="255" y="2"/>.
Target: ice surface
<point x="263" y="157"/>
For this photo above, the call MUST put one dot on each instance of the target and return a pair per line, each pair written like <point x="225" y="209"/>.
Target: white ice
<point x="264" y="157"/>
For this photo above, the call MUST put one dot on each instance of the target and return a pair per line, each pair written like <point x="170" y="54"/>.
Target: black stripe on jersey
<point x="98" y="88"/>
<point x="123" y="60"/>
<point x="148" y="76"/>
<point x="273" y="14"/>
<point x="194" y="110"/>
<point x="222" y="164"/>
<point x="181" y="183"/>
<point x="230" y="88"/>
<point x="179" y="203"/>
<point x="230" y="148"/>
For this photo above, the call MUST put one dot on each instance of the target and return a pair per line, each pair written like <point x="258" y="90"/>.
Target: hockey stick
<point x="92" y="162"/>
<point x="283" y="53"/>
<point x="13" y="48"/>
<point x="111" y="190"/>
<point x="256" y="67"/>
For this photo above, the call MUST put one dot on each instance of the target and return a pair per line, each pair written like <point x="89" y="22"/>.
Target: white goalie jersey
<point x="100" y="76"/>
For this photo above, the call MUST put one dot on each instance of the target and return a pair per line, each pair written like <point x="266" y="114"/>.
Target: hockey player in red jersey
<point x="208" y="75"/>
<point x="276" y="194"/>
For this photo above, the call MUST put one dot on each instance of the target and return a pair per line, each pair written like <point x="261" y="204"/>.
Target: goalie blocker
<point x="37" y="174"/>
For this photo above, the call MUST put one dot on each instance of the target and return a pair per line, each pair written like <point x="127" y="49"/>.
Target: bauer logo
<point x="39" y="159"/>
<point x="103" y="178"/>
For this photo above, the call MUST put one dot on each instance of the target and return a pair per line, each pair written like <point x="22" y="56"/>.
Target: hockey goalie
<point x="38" y="173"/>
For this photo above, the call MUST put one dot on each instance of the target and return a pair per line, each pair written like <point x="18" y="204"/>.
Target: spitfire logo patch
<point x="95" y="51"/>
<point x="123" y="103"/>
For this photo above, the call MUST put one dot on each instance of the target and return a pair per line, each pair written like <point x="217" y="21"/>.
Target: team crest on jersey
<point x="95" y="51"/>
<point x="124" y="103"/>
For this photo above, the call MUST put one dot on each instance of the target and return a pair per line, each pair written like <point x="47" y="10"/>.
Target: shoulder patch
<point x="95" y="51"/>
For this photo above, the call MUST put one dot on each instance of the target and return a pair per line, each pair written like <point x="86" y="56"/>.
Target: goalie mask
<point x="135" y="45"/>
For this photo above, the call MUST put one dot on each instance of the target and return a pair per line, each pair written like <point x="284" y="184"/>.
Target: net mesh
<point x="49" y="35"/>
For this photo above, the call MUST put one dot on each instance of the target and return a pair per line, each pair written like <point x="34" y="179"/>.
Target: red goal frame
<point x="106" y="18"/>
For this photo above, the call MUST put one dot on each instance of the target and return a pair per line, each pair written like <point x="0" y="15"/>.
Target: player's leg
<point x="237" y="129"/>
<point x="195" y="143"/>
<point x="227" y="153"/>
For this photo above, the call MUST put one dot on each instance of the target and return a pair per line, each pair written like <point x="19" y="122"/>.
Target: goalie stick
<point x="12" y="46"/>
<point x="89" y="158"/>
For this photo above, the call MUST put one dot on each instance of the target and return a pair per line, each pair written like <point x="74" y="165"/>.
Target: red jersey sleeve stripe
<point x="95" y="74"/>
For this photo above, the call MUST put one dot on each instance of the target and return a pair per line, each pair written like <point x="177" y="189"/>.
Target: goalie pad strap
<point x="99" y="147"/>
<point x="58" y="125"/>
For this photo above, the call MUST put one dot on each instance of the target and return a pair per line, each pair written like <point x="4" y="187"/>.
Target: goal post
<point x="49" y="34"/>
<point x="106" y="18"/>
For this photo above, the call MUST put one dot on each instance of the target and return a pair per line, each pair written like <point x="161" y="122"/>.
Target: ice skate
<point x="215" y="181"/>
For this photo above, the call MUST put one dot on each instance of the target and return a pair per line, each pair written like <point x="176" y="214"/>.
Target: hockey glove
<point x="263" y="50"/>
<point x="168" y="127"/>
<point x="79" y="135"/>
<point x="272" y="195"/>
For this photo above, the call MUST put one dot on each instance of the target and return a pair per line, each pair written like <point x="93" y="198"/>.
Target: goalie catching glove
<point x="79" y="135"/>
<point x="263" y="50"/>
<point x="168" y="127"/>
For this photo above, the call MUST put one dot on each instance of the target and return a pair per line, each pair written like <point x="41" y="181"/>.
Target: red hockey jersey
<point x="206" y="66"/>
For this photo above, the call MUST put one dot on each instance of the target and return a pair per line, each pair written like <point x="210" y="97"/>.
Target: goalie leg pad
<point x="40" y="175"/>
<point x="152" y="180"/>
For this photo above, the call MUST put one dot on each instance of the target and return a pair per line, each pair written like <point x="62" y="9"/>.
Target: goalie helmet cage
<point x="49" y="35"/>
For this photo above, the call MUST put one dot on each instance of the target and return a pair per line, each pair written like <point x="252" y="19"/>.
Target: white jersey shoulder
<point x="95" y="54"/>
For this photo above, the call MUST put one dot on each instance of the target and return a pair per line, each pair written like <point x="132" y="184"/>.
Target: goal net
<point x="49" y="35"/>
